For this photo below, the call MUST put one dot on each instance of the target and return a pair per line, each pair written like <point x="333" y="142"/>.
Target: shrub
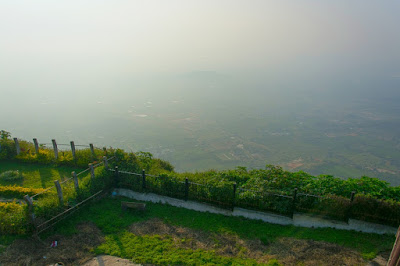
<point x="13" y="218"/>
<point x="18" y="192"/>
<point x="11" y="176"/>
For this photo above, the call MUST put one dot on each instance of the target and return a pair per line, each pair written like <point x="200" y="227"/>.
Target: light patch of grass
<point x="35" y="175"/>
<point x="162" y="251"/>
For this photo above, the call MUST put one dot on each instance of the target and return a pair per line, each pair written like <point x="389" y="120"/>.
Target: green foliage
<point x="368" y="208"/>
<point x="18" y="192"/>
<point x="13" y="218"/>
<point x="268" y="189"/>
<point x="7" y="149"/>
<point x="4" y="135"/>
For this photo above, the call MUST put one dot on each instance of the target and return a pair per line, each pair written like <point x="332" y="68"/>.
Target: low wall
<point x="299" y="219"/>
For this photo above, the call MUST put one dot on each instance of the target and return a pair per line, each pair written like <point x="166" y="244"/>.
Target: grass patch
<point x="34" y="175"/>
<point x="111" y="220"/>
<point x="162" y="251"/>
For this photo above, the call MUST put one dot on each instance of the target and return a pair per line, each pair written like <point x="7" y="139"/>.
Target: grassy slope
<point x="36" y="175"/>
<point x="108" y="216"/>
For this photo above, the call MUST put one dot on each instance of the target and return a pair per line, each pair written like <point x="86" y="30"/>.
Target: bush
<point x="11" y="176"/>
<point x="369" y="209"/>
<point x="13" y="218"/>
<point x="18" y="192"/>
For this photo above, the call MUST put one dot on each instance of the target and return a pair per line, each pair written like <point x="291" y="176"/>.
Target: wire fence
<point x="265" y="201"/>
<point x="227" y="196"/>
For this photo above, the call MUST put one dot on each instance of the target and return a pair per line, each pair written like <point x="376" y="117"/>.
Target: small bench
<point x="133" y="205"/>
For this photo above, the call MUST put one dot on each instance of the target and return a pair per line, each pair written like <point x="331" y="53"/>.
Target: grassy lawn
<point x="114" y="224"/>
<point x="35" y="175"/>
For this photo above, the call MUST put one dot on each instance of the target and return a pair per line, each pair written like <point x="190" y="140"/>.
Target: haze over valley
<point x="206" y="85"/>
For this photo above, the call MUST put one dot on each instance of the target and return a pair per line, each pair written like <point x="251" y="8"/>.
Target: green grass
<point x="162" y="251"/>
<point x="35" y="175"/>
<point x="107" y="215"/>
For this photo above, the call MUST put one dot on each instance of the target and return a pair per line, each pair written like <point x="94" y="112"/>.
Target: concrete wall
<point x="299" y="219"/>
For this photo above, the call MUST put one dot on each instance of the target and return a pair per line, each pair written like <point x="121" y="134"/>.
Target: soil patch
<point x="224" y="244"/>
<point x="106" y="260"/>
<point x="288" y="251"/>
<point x="70" y="250"/>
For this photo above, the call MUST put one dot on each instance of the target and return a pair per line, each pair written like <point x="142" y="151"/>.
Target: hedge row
<point x="18" y="192"/>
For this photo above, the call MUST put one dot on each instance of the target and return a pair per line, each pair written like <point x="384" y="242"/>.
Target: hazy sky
<point x="61" y="49"/>
<point x="102" y="71"/>
<point x="45" y="43"/>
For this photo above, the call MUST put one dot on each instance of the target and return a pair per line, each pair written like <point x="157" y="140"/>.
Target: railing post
<point x="294" y="202"/>
<point x="394" y="258"/>
<point x="73" y="150"/>
<point x="348" y="214"/>
<point x="36" y="145"/>
<point x="116" y="176"/>
<point x="17" y="146"/>
<point x="186" y="188"/>
<point x="92" y="150"/>
<point x="105" y="162"/>
<point x="76" y="183"/>
<point x="91" y="171"/>
<point x="59" y="192"/>
<point x="143" y="179"/>
<point x="234" y="196"/>
<point x="55" y="148"/>
<point x="31" y="214"/>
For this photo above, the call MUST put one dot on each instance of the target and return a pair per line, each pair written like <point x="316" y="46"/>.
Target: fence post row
<point x="294" y="202"/>
<point x="59" y="192"/>
<point x="31" y="214"/>
<point x="92" y="150"/>
<point x="91" y="171"/>
<point x="73" y="150"/>
<point x="36" y="145"/>
<point x="105" y="162"/>
<point x="186" y="188"/>
<point x="76" y="183"/>
<point x="144" y="179"/>
<point x="17" y="146"/>
<point x="55" y="148"/>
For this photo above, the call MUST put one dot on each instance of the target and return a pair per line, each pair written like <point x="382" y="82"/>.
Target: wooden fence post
<point x="234" y="196"/>
<point x="143" y="179"/>
<point x="55" y="148"/>
<point x="73" y="150"/>
<point x="294" y="202"/>
<point x="36" y="145"/>
<point x="186" y="188"/>
<point x="17" y="146"/>
<point x="31" y="214"/>
<point x="76" y="182"/>
<point x="59" y="192"/>
<point x="92" y="150"/>
<point x="105" y="162"/>
<point x="394" y="259"/>
<point x="91" y="171"/>
<point x="116" y="176"/>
